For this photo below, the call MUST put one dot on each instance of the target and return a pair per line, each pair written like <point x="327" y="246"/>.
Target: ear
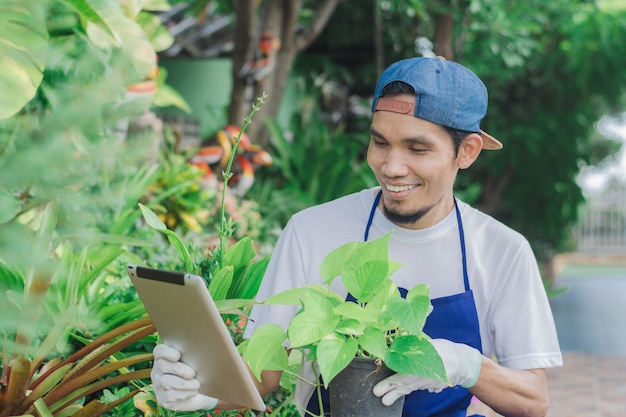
<point x="469" y="150"/>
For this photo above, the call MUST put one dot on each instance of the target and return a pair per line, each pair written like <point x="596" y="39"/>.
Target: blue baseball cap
<point x="447" y="94"/>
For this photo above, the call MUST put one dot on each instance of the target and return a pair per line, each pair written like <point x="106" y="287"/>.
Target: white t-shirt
<point x="516" y="323"/>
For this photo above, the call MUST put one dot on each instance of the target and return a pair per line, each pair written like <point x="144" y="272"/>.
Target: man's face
<point x="415" y="164"/>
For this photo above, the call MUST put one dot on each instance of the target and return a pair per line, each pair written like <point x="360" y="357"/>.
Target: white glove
<point x="462" y="364"/>
<point x="174" y="383"/>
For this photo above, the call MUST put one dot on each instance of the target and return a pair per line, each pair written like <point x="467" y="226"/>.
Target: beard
<point x="405" y="218"/>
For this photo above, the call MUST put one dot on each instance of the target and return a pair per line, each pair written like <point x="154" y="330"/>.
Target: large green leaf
<point x="110" y="28"/>
<point x="350" y="310"/>
<point x="313" y="323"/>
<point x="363" y="280"/>
<point x="334" y="353"/>
<point x="417" y="356"/>
<point x="241" y="253"/>
<point x="256" y="271"/>
<point x="334" y="262"/>
<point x="219" y="285"/>
<point x="410" y="314"/>
<point x="367" y="268"/>
<point x="265" y="350"/>
<point x="373" y="342"/>
<point x="23" y="42"/>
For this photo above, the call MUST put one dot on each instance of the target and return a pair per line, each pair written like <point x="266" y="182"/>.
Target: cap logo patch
<point x="396" y="106"/>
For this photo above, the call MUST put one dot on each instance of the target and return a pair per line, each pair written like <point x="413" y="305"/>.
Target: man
<point x="491" y="322"/>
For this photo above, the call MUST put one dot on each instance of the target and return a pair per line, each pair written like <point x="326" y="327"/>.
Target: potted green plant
<point x="330" y="331"/>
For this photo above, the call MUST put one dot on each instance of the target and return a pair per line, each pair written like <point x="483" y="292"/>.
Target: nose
<point x="394" y="164"/>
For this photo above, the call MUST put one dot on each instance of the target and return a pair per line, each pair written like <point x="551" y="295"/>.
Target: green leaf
<point x="373" y="250"/>
<point x="241" y="253"/>
<point x="166" y="96"/>
<point x="312" y="323"/>
<point x="292" y="296"/>
<point x="220" y="283"/>
<point x="255" y="274"/>
<point x="51" y="381"/>
<point x="153" y="221"/>
<point x="265" y="349"/>
<point x="363" y="280"/>
<point x="351" y="310"/>
<point x="296" y="296"/>
<point x="378" y="303"/>
<point x="373" y="342"/>
<point x="418" y="290"/>
<point x="417" y="356"/>
<point x="9" y="206"/>
<point x="23" y="45"/>
<point x="151" y="218"/>
<point x="240" y="256"/>
<point x="350" y="327"/>
<point x="42" y="409"/>
<point x="367" y="268"/>
<point x="333" y="263"/>
<point x="410" y="315"/>
<point x="334" y="353"/>
<point x="225" y="306"/>
<point x="108" y="27"/>
<point x="159" y="37"/>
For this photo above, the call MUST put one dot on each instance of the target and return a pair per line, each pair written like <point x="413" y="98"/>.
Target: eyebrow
<point x="418" y="139"/>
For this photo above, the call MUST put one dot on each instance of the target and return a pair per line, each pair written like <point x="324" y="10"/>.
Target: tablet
<point x="186" y="318"/>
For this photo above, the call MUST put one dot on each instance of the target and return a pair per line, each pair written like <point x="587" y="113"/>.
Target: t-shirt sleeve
<point x="522" y="324"/>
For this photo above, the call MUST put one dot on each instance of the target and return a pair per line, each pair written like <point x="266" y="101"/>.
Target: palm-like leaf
<point x="23" y="42"/>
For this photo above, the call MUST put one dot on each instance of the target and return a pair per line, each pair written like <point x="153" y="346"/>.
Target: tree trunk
<point x="493" y="189"/>
<point x="280" y="17"/>
<point x="443" y="36"/>
<point x="244" y="38"/>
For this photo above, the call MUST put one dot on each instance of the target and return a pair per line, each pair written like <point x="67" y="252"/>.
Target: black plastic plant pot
<point x="351" y="391"/>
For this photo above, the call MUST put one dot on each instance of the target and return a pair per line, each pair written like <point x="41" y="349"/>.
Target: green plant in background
<point x="329" y="331"/>
<point x="35" y="377"/>
<point x="233" y="271"/>
<point x="70" y="170"/>
<point x="241" y="253"/>
<point x="313" y="163"/>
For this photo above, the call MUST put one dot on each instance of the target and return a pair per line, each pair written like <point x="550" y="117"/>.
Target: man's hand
<point x="174" y="383"/>
<point x="462" y="364"/>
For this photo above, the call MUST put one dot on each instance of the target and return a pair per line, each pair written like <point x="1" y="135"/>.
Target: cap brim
<point x="489" y="142"/>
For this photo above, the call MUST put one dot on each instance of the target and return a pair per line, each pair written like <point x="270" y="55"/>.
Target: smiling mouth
<point x="399" y="188"/>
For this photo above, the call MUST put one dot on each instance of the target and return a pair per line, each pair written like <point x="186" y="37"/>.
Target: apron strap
<point x="459" y="222"/>
<point x="371" y="217"/>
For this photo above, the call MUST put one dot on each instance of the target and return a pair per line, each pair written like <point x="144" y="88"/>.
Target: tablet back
<point x="186" y="318"/>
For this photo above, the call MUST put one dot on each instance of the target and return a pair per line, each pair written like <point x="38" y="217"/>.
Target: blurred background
<point x="105" y="105"/>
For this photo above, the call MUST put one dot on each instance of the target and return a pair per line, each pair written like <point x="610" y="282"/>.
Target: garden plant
<point x="329" y="331"/>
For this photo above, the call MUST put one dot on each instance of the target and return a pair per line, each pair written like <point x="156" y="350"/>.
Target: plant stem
<point x="224" y="232"/>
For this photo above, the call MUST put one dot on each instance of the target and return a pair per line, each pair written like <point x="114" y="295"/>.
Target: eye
<point x="378" y="142"/>
<point x="418" y="150"/>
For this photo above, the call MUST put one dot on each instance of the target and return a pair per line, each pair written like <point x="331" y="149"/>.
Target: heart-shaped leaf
<point x="417" y="356"/>
<point x="334" y="353"/>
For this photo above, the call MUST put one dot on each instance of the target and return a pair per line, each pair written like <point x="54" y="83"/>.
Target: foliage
<point x="35" y="380"/>
<point x="332" y="331"/>
<point x="24" y="39"/>
<point x="232" y="270"/>
<point x="70" y="172"/>
<point x="553" y="69"/>
<point x="313" y="163"/>
<point x="547" y="93"/>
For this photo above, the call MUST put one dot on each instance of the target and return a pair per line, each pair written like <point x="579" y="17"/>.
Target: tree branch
<point x="310" y="33"/>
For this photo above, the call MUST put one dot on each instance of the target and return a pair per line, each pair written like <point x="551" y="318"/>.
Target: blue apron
<point x="453" y="317"/>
